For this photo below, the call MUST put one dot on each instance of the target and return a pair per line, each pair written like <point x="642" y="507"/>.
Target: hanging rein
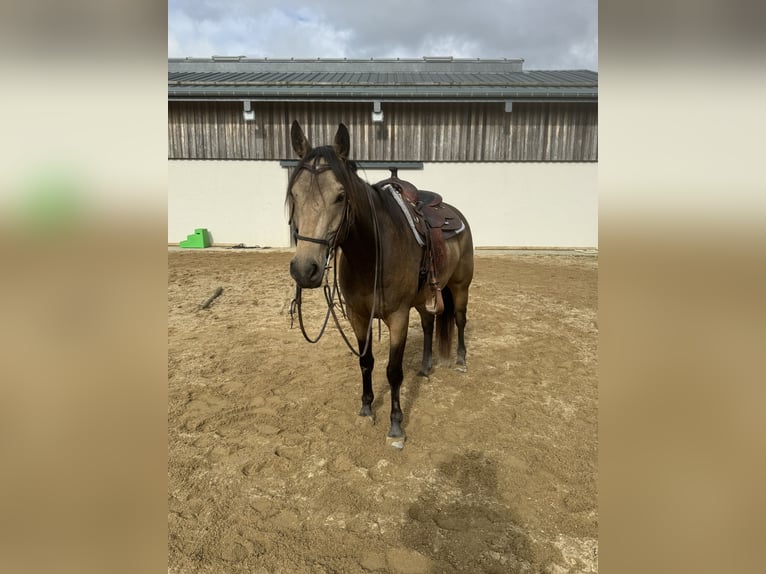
<point x="330" y="293"/>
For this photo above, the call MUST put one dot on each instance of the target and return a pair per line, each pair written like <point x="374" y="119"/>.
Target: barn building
<point x="516" y="150"/>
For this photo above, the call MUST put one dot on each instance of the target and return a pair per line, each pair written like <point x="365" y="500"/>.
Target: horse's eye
<point x="341" y="197"/>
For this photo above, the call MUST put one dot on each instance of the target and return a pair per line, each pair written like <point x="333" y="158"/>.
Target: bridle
<point x="331" y="293"/>
<point x="315" y="170"/>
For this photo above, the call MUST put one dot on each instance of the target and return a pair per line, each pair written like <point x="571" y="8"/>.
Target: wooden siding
<point x="410" y="132"/>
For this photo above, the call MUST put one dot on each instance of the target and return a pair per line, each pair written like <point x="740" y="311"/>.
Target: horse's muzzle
<point x="307" y="273"/>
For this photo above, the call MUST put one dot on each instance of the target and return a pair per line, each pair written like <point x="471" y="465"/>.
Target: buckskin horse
<point x="395" y="248"/>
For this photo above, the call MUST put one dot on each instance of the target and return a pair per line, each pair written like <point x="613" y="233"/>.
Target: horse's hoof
<point x="396" y="442"/>
<point x="365" y="411"/>
<point x="461" y="368"/>
<point x="422" y="373"/>
<point x="365" y="420"/>
<point x="395" y="432"/>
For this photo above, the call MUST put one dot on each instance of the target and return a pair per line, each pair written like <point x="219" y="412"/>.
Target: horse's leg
<point x="427" y="322"/>
<point x="366" y="362"/>
<point x="397" y="327"/>
<point x="460" y="297"/>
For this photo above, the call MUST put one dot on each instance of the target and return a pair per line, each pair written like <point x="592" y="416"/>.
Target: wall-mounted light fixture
<point x="508" y="106"/>
<point x="377" y="113"/>
<point x="248" y="113"/>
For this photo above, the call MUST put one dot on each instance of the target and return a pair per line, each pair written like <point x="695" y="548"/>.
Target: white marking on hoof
<point x="461" y="368"/>
<point x="396" y="442"/>
<point x="365" y="420"/>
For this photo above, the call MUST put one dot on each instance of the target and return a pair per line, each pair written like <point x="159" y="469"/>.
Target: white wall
<point x="507" y="204"/>
<point x="523" y="204"/>
<point x="237" y="201"/>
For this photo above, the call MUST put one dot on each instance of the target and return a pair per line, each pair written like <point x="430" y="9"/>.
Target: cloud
<point x="275" y="32"/>
<point x="548" y="34"/>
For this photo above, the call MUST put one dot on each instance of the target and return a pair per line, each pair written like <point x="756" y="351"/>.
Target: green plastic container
<point x="198" y="240"/>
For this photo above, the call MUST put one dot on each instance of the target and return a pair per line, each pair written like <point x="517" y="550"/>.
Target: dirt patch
<point x="271" y="470"/>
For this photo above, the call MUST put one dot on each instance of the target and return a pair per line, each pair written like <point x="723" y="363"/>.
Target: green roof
<point x="427" y="79"/>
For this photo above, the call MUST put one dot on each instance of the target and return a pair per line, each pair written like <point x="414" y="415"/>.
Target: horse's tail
<point x="445" y="325"/>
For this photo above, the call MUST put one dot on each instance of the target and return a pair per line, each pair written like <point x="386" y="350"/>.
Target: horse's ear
<point x="342" y="142"/>
<point x="300" y="144"/>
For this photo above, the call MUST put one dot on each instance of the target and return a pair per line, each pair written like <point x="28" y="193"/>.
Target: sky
<point x="547" y="34"/>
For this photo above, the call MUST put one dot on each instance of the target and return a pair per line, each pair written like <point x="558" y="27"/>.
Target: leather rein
<point x="332" y="292"/>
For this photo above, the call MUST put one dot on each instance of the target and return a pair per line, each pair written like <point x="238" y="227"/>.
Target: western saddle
<point x="432" y="223"/>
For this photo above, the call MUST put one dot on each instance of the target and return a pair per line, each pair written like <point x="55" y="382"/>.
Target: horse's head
<point x="317" y="197"/>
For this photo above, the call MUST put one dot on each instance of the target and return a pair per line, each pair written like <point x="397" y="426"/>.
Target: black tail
<point x="445" y="325"/>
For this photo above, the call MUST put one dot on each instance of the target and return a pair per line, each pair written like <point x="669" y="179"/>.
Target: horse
<point x="380" y="264"/>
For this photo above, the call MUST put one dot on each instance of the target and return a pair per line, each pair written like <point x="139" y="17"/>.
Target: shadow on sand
<point x="462" y="526"/>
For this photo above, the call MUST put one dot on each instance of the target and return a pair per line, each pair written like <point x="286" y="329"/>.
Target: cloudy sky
<point x="548" y="34"/>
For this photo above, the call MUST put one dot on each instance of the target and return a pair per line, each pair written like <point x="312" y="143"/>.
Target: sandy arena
<point x="271" y="470"/>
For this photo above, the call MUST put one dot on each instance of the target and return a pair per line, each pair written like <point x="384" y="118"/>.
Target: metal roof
<point x="427" y="79"/>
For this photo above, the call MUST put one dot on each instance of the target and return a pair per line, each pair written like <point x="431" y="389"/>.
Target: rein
<point x="330" y="293"/>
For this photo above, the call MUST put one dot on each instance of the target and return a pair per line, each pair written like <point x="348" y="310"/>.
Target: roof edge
<point x="425" y="64"/>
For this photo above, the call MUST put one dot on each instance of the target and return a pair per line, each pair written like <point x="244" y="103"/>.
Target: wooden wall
<point x="410" y="131"/>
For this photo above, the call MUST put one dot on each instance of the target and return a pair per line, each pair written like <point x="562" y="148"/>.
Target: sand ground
<point x="271" y="470"/>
